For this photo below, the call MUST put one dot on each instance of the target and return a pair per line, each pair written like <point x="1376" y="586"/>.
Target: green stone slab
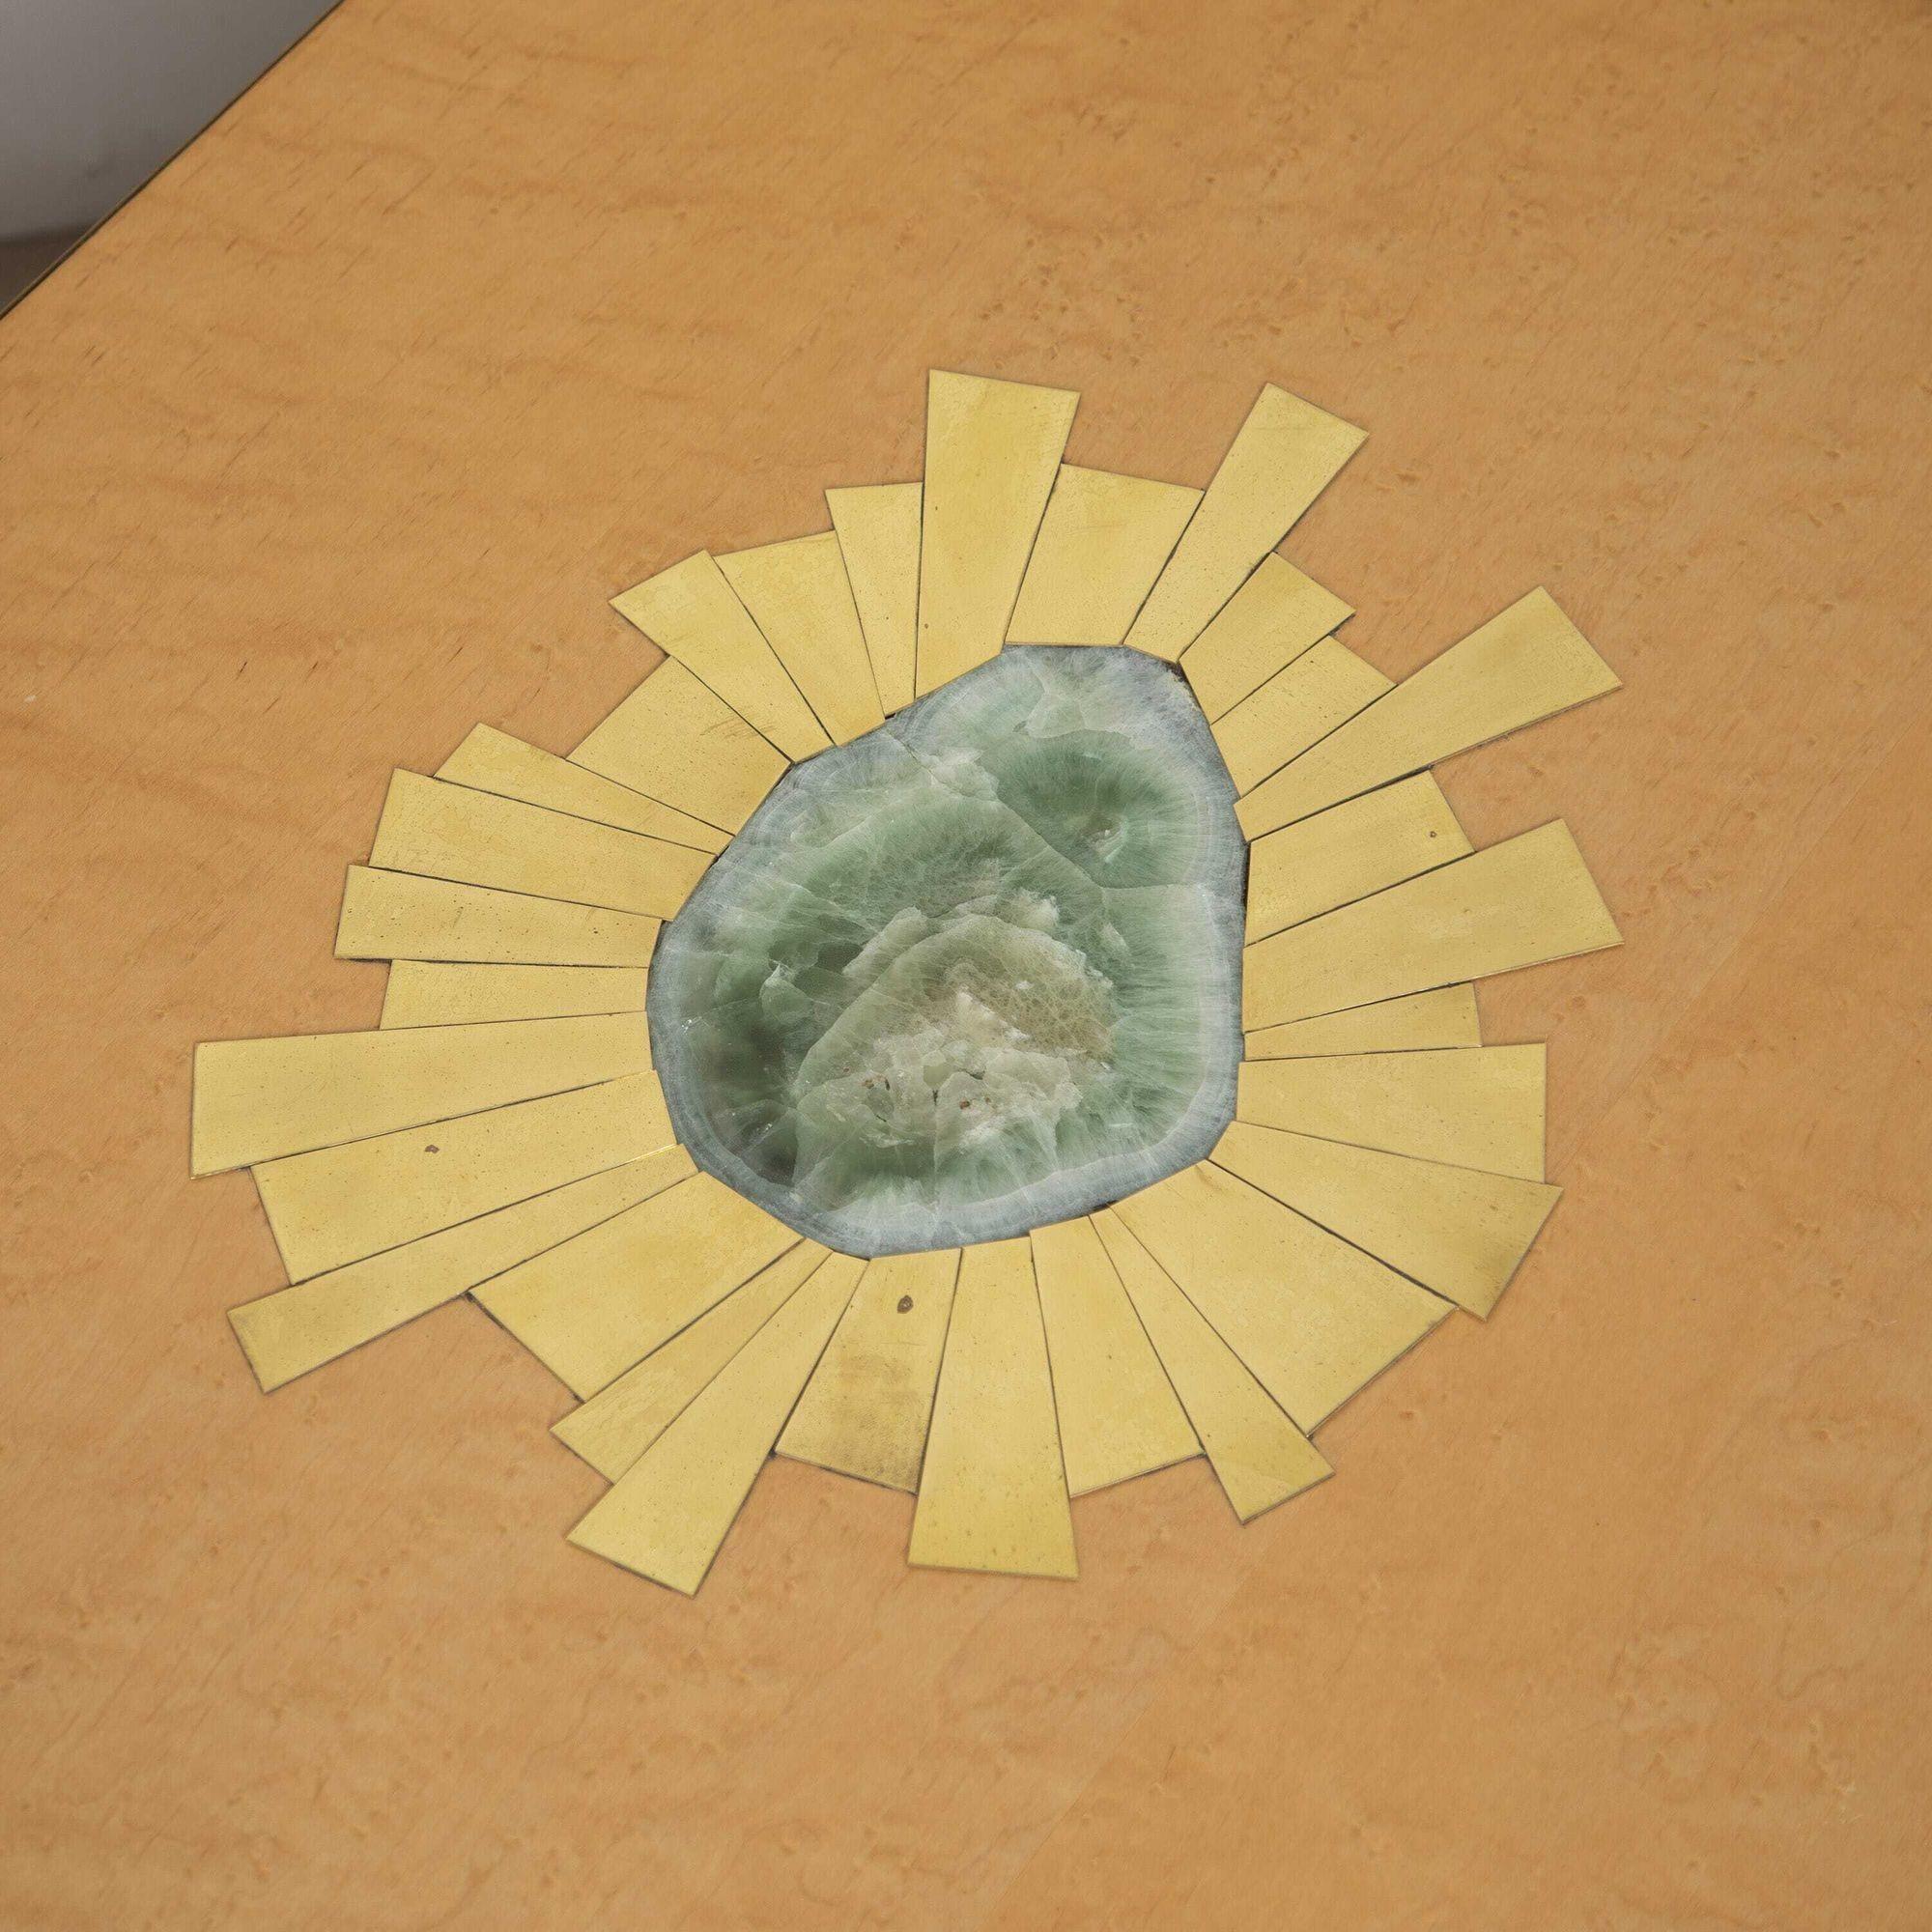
<point x="976" y="971"/>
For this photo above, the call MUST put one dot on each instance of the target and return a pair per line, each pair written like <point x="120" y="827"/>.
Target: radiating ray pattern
<point x="501" y="1135"/>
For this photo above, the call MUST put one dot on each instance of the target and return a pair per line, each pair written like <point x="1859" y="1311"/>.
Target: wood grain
<point x="338" y="439"/>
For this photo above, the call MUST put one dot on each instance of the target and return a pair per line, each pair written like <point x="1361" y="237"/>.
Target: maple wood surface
<point x="336" y="440"/>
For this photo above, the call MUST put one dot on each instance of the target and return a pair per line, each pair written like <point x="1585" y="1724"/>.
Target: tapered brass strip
<point x="992" y="451"/>
<point x="258" y="1099"/>
<point x="1529" y="663"/>
<point x="428" y="992"/>
<point x="337" y="1204"/>
<point x="296" y="1329"/>
<point x="1365" y="846"/>
<point x="1312" y="1317"/>
<point x="595" y="1306"/>
<point x="693" y="615"/>
<point x="1268" y="622"/>
<point x="877" y="525"/>
<point x="1259" y="1457"/>
<point x="492" y="760"/>
<point x="1118" y="1416"/>
<point x="1510" y="905"/>
<point x="403" y="916"/>
<point x="625" y="1417"/>
<point x="1453" y="1229"/>
<point x="1101" y="544"/>
<point x="992" y="1494"/>
<point x="799" y="594"/>
<point x="1283" y="457"/>
<point x="865" y="1409"/>
<point x="679" y="742"/>
<point x="1473" y="1106"/>
<point x="667" y="1516"/>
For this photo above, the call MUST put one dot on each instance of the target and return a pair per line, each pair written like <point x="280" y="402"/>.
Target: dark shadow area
<point x="26" y="258"/>
<point x="96" y="97"/>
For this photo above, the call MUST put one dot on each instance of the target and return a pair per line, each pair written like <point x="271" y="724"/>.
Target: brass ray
<point x="1445" y="1016"/>
<point x="665" y="1517"/>
<point x="340" y="1204"/>
<point x="1516" y="904"/>
<point x="625" y="1417"/>
<point x="258" y="1099"/>
<point x="676" y="741"/>
<point x="1477" y="1106"/>
<point x="493" y="761"/>
<point x="1455" y="1230"/>
<point x="477" y="838"/>
<point x="428" y="992"/>
<point x="1529" y="663"/>
<point x="992" y="451"/>
<point x="865" y="1409"/>
<point x="593" y="1307"/>
<point x="1259" y="1457"/>
<point x="992" y="1493"/>
<point x="404" y="916"/>
<point x="802" y="601"/>
<point x="1101" y="544"/>
<point x="1323" y="686"/>
<point x="691" y="613"/>
<point x="1365" y="846"/>
<point x="1268" y="622"/>
<point x="1283" y="457"/>
<point x="1118" y="1416"/>
<point x="1312" y="1317"/>
<point x="877" y="525"/>
<point x="296" y="1329"/>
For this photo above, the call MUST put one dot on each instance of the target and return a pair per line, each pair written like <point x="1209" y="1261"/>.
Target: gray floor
<point x="96" y="96"/>
<point x="24" y="260"/>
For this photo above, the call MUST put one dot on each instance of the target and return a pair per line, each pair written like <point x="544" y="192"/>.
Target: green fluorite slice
<point x="975" y="973"/>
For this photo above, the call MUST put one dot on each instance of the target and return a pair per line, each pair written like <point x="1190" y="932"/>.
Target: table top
<point x="337" y="439"/>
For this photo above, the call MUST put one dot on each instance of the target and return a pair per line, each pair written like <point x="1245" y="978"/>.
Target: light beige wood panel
<point x="340" y="1204"/>
<point x="1262" y="629"/>
<point x="1455" y="1230"/>
<point x="1372" y="842"/>
<point x="799" y="595"/>
<point x="625" y="1417"/>
<point x="877" y="525"/>
<point x="429" y="992"/>
<point x="1101" y="544"/>
<point x="1514" y="904"/>
<point x="1529" y="663"/>
<point x="1323" y="686"/>
<point x="477" y="838"/>
<point x="299" y="1328"/>
<point x="1475" y="1107"/>
<point x="992" y="1493"/>
<point x="492" y="760"/>
<point x="1312" y="1317"/>
<point x="676" y="741"/>
<point x="665" y="1517"/>
<point x="1118" y="1417"/>
<point x="595" y="1306"/>
<point x="1283" y="457"/>
<point x="404" y="916"/>
<point x="693" y="614"/>
<point x="1445" y="1016"/>
<point x="992" y="450"/>
<point x="258" y="1099"/>
<point x="865" y="1409"/>
<point x="1259" y="1457"/>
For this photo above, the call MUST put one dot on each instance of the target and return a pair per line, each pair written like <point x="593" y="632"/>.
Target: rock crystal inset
<point x="975" y="973"/>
